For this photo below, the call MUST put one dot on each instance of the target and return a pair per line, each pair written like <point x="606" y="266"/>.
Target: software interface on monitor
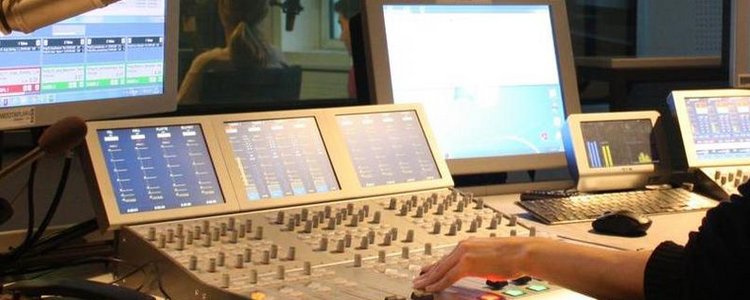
<point x="720" y="127"/>
<point x="388" y="148"/>
<point x="487" y="76"/>
<point x="281" y="158"/>
<point x="159" y="168"/>
<point x="114" y="52"/>
<point x="619" y="143"/>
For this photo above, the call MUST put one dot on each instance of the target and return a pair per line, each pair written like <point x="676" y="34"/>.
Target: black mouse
<point x="622" y="223"/>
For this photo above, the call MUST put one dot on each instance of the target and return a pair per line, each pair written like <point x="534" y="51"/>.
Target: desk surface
<point x="674" y="227"/>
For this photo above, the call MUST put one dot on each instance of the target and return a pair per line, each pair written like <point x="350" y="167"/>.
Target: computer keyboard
<point x="587" y="207"/>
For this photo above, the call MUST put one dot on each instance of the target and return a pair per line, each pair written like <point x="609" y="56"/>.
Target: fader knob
<point x="180" y="229"/>
<point x="180" y="243"/>
<point x="339" y="247"/>
<point x="371" y="237"/>
<point x="280" y="272"/>
<point x="221" y="259"/>
<point x="305" y="214"/>
<point x="440" y="210"/>
<point x="354" y="222"/>
<point x="225" y="280"/>
<point x="327" y="211"/>
<point x="291" y="253"/>
<point x="233" y="237"/>
<point x="479" y="221"/>
<point x="349" y="209"/>
<point x="404" y="210"/>
<point x="290" y="225"/>
<point x="280" y="218"/>
<point x="428" y="249"/>
<point x="420" y="212"/>
<point x="405" y="252"/>
<point x="376" y="218"/>
<point x="151" y="234"/>
<point x="248" y="226"/>
<point x="452" y="230"/>
<point x="211" y="265"/>
<point x="496" y="285"/>
<point x="381" y="256"/>
<point x="170" y="236"/>
<point x="232" y="222"/>
<point x="239" y="262"/>
<point x="513" y="220"/>
<point x="253" y="276"/>
<point x="224" y="229"/>
<point x="259" y="233"/>
<point x="190" y="237"/>
<point x="266" y="259"/>
<point x="387" y="240"/>
<point x="363" y="243"/>
<point x="460" y="207"/>
<point x="162" y="241"/>
<point x="532" y="231"/>
<point x="274" y="251"/>
<point x="248" y="255"/>
<point x="473" y="226"/>
<point x="308" y="227"/>
<point x="479" y="203"/>
<point x="323" y="245"/>
<point x="307" y="268"/>
<point x="357" y="260"/>
<point x="409" y="236"/>
<point x="392" y="204"/>
<point x="206" y="226"/>
<point x="394" y="233"/>
<point x="366" y="209"/>
<point x="436" y="227"/>
<point x="347" y="240"/>
<point x="193" y="264"/>
<point x="331" y="224"/>
<point x="215" y="234"/>
<point x="206" y="240"/>
<point x="513" y="232"/>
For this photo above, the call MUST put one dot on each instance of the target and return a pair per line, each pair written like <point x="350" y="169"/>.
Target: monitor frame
<point x="105" y="200"/>
<point x="618" y="177"/>
<point x="739" y="56"/>
<point x="228" y="173"/>
<point x="676" y="102"/>
<point x="382" y="93"/>
<point x="100" y="109"/>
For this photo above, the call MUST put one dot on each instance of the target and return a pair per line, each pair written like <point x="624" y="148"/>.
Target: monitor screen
<point x="619" y="143"/>
<point x="114" y="61"/>
<point x="281" y="158"/>
<point x="388" y="148"/>
<point x="492" y="78"/>
<point x="719" y="127"/>
<point x="159" y="168"/>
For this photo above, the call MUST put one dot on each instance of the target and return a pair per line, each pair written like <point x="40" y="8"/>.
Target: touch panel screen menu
<point x="388" y="148"/>
<point x="281" y="158"/>
<point x="619" y="143"/>
<point x="159" y="168"/>
<point x="720" y="127"/>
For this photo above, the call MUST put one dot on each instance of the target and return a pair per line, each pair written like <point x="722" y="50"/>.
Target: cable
<point x="161" y="286"/>
<point x="53" y="206"/>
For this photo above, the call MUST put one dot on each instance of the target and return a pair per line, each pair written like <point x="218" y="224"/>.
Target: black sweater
<point x="714" y="264"/>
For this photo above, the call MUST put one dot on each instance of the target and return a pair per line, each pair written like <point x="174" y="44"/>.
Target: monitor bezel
<point x="679" y="109"/>
<point x="579" y="153"/>
<point x="739" y="56"/>
<point x="382" y="93"/>
<point x="106" y="205"/>
<point x="110" y="108"/>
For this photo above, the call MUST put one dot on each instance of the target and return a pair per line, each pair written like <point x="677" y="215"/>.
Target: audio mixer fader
<point x="345" y="203"/>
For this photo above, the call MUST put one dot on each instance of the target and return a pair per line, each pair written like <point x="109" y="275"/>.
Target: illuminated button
<point x="257" y="296"/>
<point x="514" y="293"/>
<point x="537" y="287"/>
<point x="490" y="297"/>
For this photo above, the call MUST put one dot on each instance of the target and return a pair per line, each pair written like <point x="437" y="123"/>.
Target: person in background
<point x="346" y="9"/>
<point x="714" y="264"/>
<point x="246" y="47"/>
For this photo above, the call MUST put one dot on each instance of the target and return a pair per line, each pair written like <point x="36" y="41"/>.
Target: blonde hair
<point x="247" y="47"/>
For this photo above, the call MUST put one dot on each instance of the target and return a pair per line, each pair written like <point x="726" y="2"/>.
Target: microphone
<point x="29" y="15"/>
<point x="57" y="139"/>
<point x="291" y="8"/>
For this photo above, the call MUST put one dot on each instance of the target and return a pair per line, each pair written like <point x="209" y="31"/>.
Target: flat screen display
<point x="159" y="168"/>
<point x="388" y="148"/>
<point x="113" y="52"/>
<point x="281" y="158"/>
<point x="619" y="143"/>
<point x="720" y="127"/>
<point x="487" y="75"/>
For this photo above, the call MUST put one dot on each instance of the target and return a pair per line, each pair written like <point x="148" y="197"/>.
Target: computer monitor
<point x="117" y="61"/>
<point x="496" y="78"/>
<point x="615" y="151"/>
<point x="157" y="169"/>
<point x="739" y="56"/>
<point x="714" y="125"/>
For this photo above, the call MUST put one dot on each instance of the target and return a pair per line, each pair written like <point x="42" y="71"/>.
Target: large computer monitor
<point x="739" y="58"/>
<point x="496" y="78"/>
<point x="120" y="60"/>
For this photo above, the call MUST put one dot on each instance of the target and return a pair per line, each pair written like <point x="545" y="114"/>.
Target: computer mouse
<point x="622" y="223"/>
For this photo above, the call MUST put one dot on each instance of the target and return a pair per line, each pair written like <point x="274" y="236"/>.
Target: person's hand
<point x="491" y="258"/>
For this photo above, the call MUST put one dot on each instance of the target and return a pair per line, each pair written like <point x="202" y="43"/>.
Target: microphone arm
<point x="291" y="8"/>
<point x="29" y="15"/>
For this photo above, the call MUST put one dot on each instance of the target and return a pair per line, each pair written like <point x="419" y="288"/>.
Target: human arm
<point x="597" y="272"/>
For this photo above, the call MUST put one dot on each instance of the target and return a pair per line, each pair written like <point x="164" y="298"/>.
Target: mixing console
<point x="362" y="249"/>
<point x="721" y="182"/>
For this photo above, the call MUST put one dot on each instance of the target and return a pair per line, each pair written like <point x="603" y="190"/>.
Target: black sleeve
<point x="715" y="263"/>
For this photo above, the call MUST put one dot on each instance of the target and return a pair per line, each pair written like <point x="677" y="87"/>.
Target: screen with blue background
<point x="487" y="76"/>
<point x="113" y="52"/>
<point x="159" y="168"/>
<point x="720" y="127"/>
